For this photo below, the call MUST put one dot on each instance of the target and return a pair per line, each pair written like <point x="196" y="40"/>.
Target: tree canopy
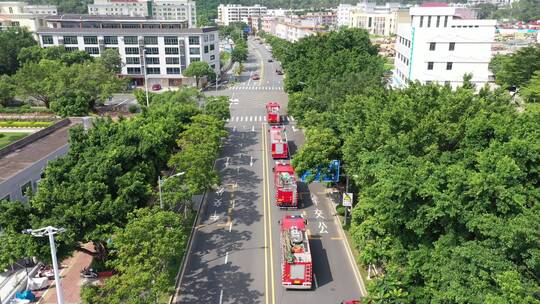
<point x="516" y="69"/>
<point x="199" y="69"/>
<point x="12" y="41"/>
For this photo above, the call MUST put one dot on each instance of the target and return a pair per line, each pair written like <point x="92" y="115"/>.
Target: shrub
<point x="133" y="109"/>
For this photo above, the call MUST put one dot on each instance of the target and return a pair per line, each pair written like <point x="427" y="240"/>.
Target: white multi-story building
<point x="379" y="20"/>
<point x="237" y="13"/>
<point x="442" y="44"/>
<point x="344" y="12"/>
<point x="19" y="14"/>
<point x="159" y="50"/>
<point x="156" y="9"/>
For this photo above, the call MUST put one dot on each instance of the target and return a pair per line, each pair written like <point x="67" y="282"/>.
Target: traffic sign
<point x="347" y="199"/>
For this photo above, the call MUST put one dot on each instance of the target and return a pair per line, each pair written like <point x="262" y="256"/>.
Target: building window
<point x="90" y="39"/>
<point x="47" y="40"/>
<point x="449" y="66"/>
<point x="133" y="60"/>
<point x="174" y="71"/>
<point x="151" y="51"/>
<point x="152" y="60"/>
<point x="206" y="49"/>
<point x="430" y="65"/>
<point x="438" y="20"/>
<point x="432" y="46"/>
<point x="429" y="21"/>
<point x="171" y="40"/>
<point x="92" y="50"/>
<point x="26" y="189"/>
<point x="194" y="51"/>
<point x="421" y="21"/>
<point x="71" y="40"/>
<point x="213" y="66"/>
<point x="150" y="40"/>
<point x="132" y="51"/>
<point x="134" y="71"/>
<point x="153" y="71"/>
<point x="452" y="46"/>
<point x="445" y="21"/>
<point x="212" y="47"/>
<point x="193" y="59"/>
<point x="212" y="57"/>
<point x="171" y="51"/>
<point x="193" y="40"/>
<point x="172" y="60"/>
<point x="131" y="40"/>
<point x="71" y="48"/>
<point x="110" y="39"/>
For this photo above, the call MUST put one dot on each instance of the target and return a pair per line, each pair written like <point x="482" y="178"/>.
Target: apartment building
<point x="159" y="50"/>
<point x="494" y="2"/>
<point x="379" y="20"/>
<point x="20" y="14"/>
<point x="441" y="44"/>
<point x="237" y="13"/>
<point x="155" y="9"/>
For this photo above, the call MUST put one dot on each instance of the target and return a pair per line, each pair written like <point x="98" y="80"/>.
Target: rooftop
<point x="26" y="156"/>
<point x="121" y="31"/>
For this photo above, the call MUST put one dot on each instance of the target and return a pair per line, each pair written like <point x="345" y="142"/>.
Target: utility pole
<point x="160" y="184"/>
<point x="346" y="191"/>
<point x="51" y="231"/>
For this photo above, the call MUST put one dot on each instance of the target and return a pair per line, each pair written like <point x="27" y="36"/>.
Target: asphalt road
<point x="235" y="255"/>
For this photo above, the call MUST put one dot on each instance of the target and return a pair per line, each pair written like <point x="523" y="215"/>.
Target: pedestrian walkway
<point x="70" y="279"/>
<point x="256" y="118"/>
<point x="256" y="88"/>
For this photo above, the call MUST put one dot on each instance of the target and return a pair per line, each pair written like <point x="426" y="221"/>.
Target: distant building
<point x="494" y="2"/>
<point x="158" y="49"/>
<point x="230" y="13"/>
<point x="379" y="20"/>
<point x="156" y="9"/>
<point x="442" y="44"/>
<point x="20" y="14"/>
<point x="293" y="28"/>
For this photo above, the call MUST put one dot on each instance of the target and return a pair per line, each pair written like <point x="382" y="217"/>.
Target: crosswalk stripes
<point x="256" y="88"/>
<point x="255" y="118"/>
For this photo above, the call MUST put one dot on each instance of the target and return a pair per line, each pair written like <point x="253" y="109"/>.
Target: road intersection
<point x="235" y="253"/>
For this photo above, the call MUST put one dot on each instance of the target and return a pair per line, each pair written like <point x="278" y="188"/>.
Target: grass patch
<point x="25" y="124"/>
<point x="24" y="109"/>
<point x="8" y="138"/>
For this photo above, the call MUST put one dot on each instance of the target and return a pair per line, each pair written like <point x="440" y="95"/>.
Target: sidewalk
<point x="70" y="279"/>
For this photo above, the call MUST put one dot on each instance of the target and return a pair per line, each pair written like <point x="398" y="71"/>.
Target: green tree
<point x="531" y="90"/>
<point x="322" y="146"/>
<point x="110" y="58"/>
<point x="239" y="53"/>
<point x="198" y="69"/>
<point x="218" y="107"/>
<point x="148" y="250"/>
<point x="36" y="53"/>
<point x="517" y="68"/>
<point x="12" y="41"/>
<point x="7" y="90"/>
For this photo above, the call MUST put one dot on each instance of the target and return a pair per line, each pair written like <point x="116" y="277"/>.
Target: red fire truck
<point x="278" y="140"/>
<point x="285" y="186"/>
<point x="296" y="265"/>
<point x="272" y="113"/>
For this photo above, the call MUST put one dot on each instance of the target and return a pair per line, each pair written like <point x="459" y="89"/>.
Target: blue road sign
<point x="331" y="176"/>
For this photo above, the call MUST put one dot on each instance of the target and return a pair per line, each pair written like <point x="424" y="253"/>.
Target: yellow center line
<point x="264" y="217"/>
<point x="268" y="201"/>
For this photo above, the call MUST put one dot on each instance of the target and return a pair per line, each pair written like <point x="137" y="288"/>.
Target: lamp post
<point x="50" y="231"/>
<point x="145" y="78"/>
<point x="160" y="183"/>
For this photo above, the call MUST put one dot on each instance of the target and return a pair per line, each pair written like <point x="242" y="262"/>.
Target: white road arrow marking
<point x="217" y="202"/>
<point x="294" y="129"/>
<point x="214" y="217"/>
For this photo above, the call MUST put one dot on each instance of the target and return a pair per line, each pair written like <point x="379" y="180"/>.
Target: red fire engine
<point x="278" y="140"/>
<point x="272" y="113"/>
<point x="285" y="186"/>
<point x="296" y="265"/>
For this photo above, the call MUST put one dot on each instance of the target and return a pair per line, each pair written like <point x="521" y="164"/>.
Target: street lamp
<point x="50" y="231"/>
<point x="145" y="78"/>
<point x="160" y="184"/>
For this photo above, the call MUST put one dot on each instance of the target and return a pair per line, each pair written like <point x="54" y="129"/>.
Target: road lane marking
<point x="336" y="238"/>
<point x="266" y="295"/>
<point x="315" y="280"/>
<point x="268" y="200"/>
<point x="230" y="226"/>
<point x="221" y="297"/>
<point x="252" y="128"/>
<point x="226" y="258"/>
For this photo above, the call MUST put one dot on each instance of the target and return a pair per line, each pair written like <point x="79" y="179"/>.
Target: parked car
<point x="156" y="87"/>
<point x="279" y="72"/>
<point x="255" y="77"/>
<point x="270" y="60"/>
